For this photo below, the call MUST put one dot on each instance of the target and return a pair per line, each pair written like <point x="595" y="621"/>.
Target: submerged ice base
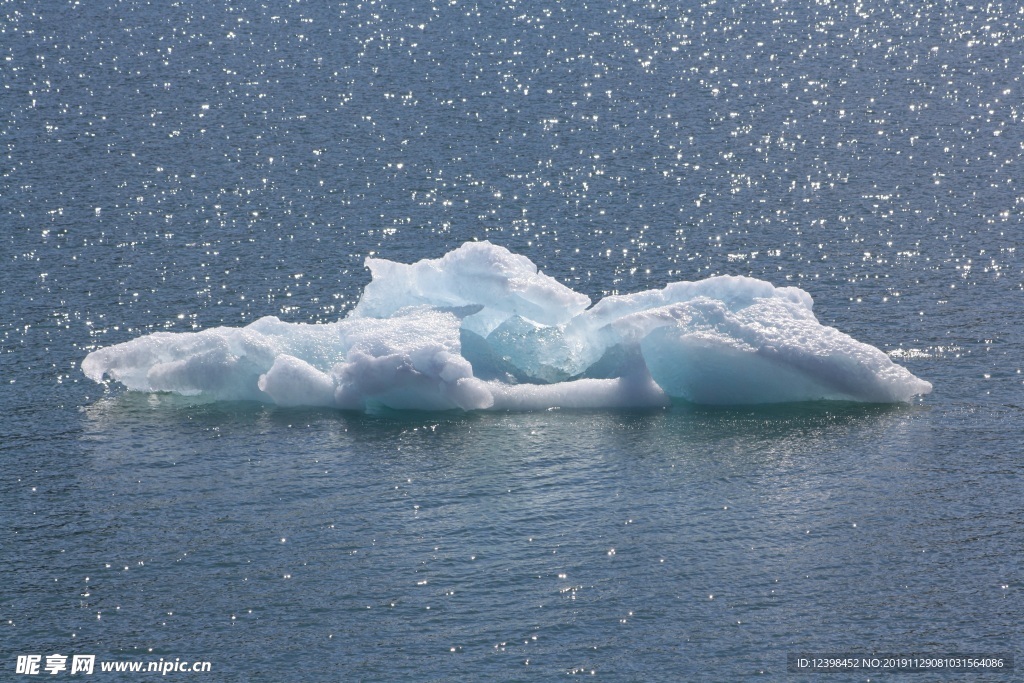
<point x="482" y="329"/>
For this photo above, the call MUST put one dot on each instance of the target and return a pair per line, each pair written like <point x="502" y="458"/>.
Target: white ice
<point x="482" y="329"/>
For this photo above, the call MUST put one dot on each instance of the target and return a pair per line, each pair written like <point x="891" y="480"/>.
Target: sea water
<point x="179" y="168"/>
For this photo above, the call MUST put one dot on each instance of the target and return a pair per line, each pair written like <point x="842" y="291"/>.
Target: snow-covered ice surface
<point x="481" y="328"/>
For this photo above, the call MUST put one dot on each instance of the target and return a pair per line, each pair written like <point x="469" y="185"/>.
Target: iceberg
<point x="482" y="328"/>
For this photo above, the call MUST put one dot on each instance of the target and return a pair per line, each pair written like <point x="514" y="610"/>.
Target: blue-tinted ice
<point x="481" y="329"/>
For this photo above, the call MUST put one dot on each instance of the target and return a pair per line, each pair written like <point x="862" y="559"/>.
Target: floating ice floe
<point x="482" y="329"/>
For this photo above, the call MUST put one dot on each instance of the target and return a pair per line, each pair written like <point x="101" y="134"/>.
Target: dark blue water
<point x="180" y="166"/>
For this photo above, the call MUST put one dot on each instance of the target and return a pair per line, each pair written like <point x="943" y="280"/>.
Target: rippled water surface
<point x="178" y="166"/>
